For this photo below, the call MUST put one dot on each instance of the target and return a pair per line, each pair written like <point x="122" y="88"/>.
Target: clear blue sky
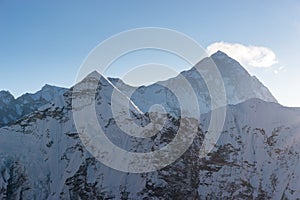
<point x="46" y="41"/>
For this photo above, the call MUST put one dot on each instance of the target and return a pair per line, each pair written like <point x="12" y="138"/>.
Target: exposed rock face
<point x="42" y="157"/>
<point x="255" y="157"/>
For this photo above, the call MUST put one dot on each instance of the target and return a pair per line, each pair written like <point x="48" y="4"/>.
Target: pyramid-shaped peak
<point x="95" y="77"/>
<point x="219" y="54"/>
<point x="94" y="74"/>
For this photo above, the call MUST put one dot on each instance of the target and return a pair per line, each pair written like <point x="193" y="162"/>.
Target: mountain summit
<point x="255" y="157"/>
<point x="6" y="97"/>
<point x="239" y="86"/>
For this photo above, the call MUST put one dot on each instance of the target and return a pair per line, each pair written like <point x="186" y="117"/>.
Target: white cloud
<point x="255" y="56"/>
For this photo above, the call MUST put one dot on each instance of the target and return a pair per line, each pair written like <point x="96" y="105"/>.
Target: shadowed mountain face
<point x="12" y="109"/>
<point x="255" y="157"/>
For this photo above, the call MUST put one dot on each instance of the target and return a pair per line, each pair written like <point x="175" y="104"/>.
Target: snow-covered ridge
<point x="256" y="157"/>
<point x="239" y="86"/>
<point x="12" y="109"/>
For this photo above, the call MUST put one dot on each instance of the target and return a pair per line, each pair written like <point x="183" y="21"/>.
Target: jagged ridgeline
<point x="256" y="156"/>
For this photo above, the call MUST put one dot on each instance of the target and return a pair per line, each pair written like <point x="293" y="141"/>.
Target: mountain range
<point x="256" y="156"/>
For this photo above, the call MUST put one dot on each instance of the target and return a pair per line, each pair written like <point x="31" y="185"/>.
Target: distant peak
<point x="47" y="86"/>
<point x="94" y="74"/>
<point x="6" y="96"/>
<point x="5" y="93"/>
<point x="50" y="87"/>
<point x="219" y="54"/>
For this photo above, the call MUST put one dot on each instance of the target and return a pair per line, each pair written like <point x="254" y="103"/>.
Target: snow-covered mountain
<point x="239" y="86"/>
<point x="12" y="109"/>
<point x="256" y="156"/>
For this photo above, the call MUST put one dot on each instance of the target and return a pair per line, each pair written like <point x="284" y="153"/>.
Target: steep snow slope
<point x="256" y="156"/>
<point x="239" y="86"/>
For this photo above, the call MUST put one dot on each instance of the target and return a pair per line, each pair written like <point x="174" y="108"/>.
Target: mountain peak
<point x="94" y="74"/>
<point x="6" y="97"/>
<point x="47" y="87"/>
<point x="219" y="54"/>
<point x="239" y="84"/>
<point x="5" y="93"/>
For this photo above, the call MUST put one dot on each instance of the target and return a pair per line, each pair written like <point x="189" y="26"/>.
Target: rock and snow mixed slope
<point x="239" y="86"/>
<point x="12" y="109"/>
<point x="256" y="156"/>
